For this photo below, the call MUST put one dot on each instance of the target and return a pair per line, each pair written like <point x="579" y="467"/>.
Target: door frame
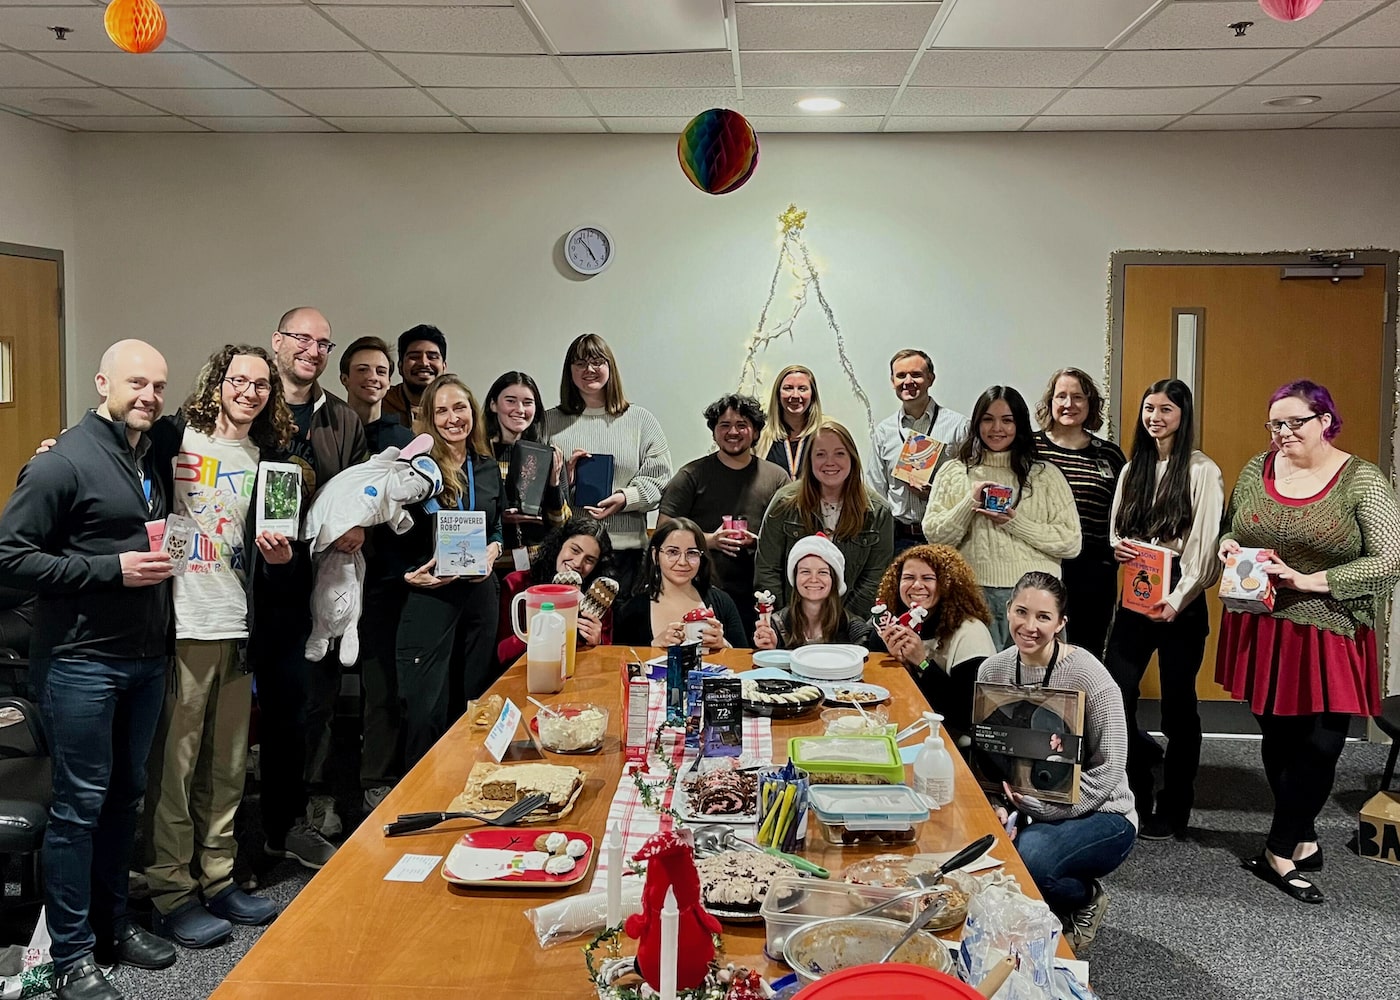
<point x="47" y="253"/>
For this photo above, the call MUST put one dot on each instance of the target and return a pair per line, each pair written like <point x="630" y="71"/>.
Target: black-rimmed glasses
<point x="306" y="340"/>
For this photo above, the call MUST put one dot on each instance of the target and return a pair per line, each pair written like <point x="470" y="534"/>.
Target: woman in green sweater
<point x="1002" y="538"/>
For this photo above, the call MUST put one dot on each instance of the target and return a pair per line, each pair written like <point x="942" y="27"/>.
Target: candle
<point x="670" y="932"/>
<point x="614" y="845"/>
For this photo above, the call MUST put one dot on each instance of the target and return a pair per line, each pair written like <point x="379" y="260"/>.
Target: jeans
<point x="100" y="720"/>
<point x="997" y="599"/>
<point x="1066" y="855"/>
<point x="283" y="678"/>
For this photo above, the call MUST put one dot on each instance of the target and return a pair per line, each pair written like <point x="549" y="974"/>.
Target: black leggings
<point x="1300" y="759"/>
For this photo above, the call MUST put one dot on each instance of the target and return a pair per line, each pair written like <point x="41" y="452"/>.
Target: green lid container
<point x="848" y="760"/>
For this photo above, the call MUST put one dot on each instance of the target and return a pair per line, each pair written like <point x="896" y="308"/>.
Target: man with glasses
<point x="296" y="698"/>
<point x="422" y="358"/>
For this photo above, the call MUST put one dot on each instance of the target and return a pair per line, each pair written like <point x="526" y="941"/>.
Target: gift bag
<point x="1001" y="921"/>
<point x="36" y="968"/>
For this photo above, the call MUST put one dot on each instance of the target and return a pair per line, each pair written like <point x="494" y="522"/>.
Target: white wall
<point x="989" y="251"/>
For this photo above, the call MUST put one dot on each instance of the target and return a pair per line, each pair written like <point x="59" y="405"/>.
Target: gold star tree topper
<point x="792" y="219"/>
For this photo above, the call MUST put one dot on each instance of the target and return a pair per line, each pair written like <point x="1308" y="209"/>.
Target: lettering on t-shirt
<point x="216" y="496"/>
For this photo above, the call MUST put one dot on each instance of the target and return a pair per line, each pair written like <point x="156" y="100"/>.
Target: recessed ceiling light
<point x="819" y="104"/>
<point x="1294" y="101"/>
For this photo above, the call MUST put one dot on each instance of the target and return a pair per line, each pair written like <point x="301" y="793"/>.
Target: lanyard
<point x="432" y="506"/>
<point x="1049" y="668"/>
<point x="794" y="461"/>
<point x="145" y="475"/>
<point x="932" y="418"/>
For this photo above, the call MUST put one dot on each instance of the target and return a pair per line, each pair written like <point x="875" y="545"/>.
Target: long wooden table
<point x="351" y="934"/>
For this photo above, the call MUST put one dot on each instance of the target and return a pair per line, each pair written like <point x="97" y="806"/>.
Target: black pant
<point x="1179" y="645"/>
<point x="380" y="759"/>
<point x="1092" y="583"/>
<point x="433" y="625"/>
<point x="283" y="679"/>
<point x="1300" y="760"/>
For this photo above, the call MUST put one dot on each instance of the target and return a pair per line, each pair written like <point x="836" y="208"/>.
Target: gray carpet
<point x="1185" y="921"/>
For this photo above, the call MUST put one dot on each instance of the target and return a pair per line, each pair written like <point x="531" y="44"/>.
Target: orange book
<point x="1147" y="579"/>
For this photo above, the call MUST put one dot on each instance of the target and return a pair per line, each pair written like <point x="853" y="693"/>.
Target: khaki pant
<point x="197" y="773"/>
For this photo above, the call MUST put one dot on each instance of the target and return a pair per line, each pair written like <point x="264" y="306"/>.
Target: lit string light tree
<point x="794" y="256"/>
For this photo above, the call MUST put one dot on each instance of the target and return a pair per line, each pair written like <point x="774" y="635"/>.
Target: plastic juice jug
<point x="565" y="600"/>
<point x="544" y="657"/>
<point x="933" y="767"/>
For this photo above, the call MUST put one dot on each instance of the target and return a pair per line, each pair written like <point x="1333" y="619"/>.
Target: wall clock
<point x="588" y="249"/>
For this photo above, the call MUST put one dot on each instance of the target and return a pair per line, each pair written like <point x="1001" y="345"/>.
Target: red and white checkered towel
<point x="636" y="821"/>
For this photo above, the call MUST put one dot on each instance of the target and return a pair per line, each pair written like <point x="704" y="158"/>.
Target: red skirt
<point x="1283" y="668"/>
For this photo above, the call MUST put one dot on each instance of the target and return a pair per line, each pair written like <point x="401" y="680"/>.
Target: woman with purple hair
<point x="1332" y="528"/>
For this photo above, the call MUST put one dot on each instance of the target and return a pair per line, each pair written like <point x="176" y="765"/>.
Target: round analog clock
<point x="588" y="249"/>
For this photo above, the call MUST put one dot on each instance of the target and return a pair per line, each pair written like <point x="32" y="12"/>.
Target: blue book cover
<point x="593" y="480"/>
<point x="461" y="543"/>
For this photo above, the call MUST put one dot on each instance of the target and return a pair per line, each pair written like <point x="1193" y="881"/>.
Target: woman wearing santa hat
<point x="816" y="573"/>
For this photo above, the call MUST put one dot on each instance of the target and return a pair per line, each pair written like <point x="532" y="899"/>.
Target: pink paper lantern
<point x="1289" y="10"/>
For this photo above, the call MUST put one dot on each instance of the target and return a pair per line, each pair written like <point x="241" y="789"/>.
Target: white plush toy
<point x="364" y="495"/>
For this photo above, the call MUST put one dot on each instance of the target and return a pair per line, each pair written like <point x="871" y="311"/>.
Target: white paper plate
<point x="877" y="692"/>
<point x="829" y="662"/>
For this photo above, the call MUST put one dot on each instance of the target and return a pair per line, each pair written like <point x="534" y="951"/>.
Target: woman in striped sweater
<point x="1067" y="848"/>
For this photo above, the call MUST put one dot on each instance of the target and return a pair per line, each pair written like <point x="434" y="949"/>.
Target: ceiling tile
<point x="674" y="69"/>
<point x="413" y="3"/>
<point x="226" y="3"/>
<point x="1390" y="102"/>
<point x="814" y="123"/>
<point x="55" y="101"/>
<point x="437" y="29"/>
<point x="363" y="101"/>
<point x="52" y="3"/>
<point x="404" y="124"/>
<point x="535" y="124"/>
<point x="160" y="123"/>
<point x="782" y="102"/>
<point x="1199" y="67"/>
<point x="824" y="69"/>
<point x="1204" y="26"/>
<point x="509" y="102"/>
<point x="479" y="71"/>
<point x="1063" y="24"/>
<point x="1338" y="66"/>
<point x="1380" y="28"/>
<point x="787" y="27"/>
<point x="630" y="25"/>
<point x="1250" y="100"/>
<point x="650" y="102"/>
<point x="672" y="126"/>
<point x="1363" y="119"/>
<point x="1010" y="68"/>
<point x="1099" y="123"/>
<point x="979" y="101"/>
<point x="1233" y="123"/>
<point x="256" y="29"/>
<point x="312" y="69"/>
<point x="215" y="102"/>
<point x="1149" y="101"/>
<point x="964" y="123"/>
<point x="27" y="29"/>
<point x="265" y="124"/>
<point x="17" y="70"/>
<point x="157" y="69"/>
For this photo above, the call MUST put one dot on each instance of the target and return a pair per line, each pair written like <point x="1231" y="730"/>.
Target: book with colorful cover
<point x="1147" y="578"/>
<point x="917" y="460"/>
<point x="527" y="477"/>
<point x="461" y="543"/>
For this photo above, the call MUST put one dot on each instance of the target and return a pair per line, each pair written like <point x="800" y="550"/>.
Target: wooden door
<point x="31" y="360"/>
<point x="1255" y="332"/>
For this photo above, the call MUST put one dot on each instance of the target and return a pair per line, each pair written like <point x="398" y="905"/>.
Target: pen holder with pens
<point x="782" y="807"/>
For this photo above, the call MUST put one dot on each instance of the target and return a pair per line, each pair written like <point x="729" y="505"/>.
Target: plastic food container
<point x="825" y="946"/>
<point x="850" y="722"/>
<point x="793" y="902"/>
<point x="865" y="815"/>
<point x="576" y="728"/>
<point x="848" y="760"/>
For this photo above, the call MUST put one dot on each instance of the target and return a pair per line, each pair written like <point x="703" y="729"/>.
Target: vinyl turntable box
<point x="1031" y="738"/>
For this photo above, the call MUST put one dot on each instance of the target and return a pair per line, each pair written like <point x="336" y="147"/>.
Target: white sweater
<point x="1044" y="530"/>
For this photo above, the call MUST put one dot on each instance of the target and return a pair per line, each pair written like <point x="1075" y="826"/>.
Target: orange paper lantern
<point x="135" y="25"/>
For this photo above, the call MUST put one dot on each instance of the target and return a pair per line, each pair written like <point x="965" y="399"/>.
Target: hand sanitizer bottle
<point x="933" y="768"/>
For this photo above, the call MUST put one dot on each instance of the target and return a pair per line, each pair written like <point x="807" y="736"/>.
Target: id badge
<point x="521" y="556"/>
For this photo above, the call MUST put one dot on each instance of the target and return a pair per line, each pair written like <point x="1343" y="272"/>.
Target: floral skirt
<point x="1283" y="668"/>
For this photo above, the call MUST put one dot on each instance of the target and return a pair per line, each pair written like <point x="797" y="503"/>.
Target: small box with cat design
<point x="1244" y="586"/>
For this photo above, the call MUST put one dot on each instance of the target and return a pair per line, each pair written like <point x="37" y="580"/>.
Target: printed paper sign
<point x="503" y="731"/>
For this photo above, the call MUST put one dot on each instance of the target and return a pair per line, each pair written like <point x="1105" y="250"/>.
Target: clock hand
<point x="591" y="253"/>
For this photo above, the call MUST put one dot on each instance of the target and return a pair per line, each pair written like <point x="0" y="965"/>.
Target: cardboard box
<point x="1244" y="586"/>
<point x="636" y="694"/>
<point x="1379" y="837"/>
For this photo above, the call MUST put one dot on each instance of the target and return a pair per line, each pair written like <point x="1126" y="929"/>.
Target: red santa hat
<point x="824" y="548"/>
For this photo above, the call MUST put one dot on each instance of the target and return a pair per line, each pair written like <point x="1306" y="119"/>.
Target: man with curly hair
<point x="209" y="453"/>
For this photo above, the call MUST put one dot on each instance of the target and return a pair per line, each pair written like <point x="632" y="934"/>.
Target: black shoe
<point x="1156" y="827"/>
<point x="235" y="905"/>
<point x="84" y="981"/>
<point x="192" y="925"/>
<point x="1312" y="863"/>
<point x="1295" y="883"/>
<point x="139" y="948"/>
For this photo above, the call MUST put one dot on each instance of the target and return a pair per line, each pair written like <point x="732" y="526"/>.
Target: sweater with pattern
<point x="1044" y="530"/>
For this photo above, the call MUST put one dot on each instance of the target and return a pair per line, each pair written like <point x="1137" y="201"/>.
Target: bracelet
<point x="922" y="666"/>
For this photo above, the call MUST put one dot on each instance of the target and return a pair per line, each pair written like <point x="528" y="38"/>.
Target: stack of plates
<point x="835" y="662"/>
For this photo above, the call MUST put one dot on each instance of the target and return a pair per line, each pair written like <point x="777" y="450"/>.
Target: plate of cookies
<point x="507" y="857"/>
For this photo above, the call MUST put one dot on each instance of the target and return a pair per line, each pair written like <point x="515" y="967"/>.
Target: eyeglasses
<point x="240" y="385"/>
<point x="1292" y="423"/>
<point x="306" y="340"/>
<point x="676" y="555"/>
<point x="584" y="364"/>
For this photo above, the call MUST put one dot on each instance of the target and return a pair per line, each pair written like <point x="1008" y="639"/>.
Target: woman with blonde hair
<point x="446" y="614"/>
<point x="794" y="415"/>
<point x="829" y="496"/>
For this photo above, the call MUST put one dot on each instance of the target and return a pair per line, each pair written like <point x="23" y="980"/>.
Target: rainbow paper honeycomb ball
<point x="718" y="151"/>
<point x="135" y="25"/>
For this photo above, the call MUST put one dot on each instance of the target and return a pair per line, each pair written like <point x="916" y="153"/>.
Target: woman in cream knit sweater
<point x="1038" y="527"/>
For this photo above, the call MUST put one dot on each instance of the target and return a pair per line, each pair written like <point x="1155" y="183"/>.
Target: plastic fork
<point x="413" y="822"/>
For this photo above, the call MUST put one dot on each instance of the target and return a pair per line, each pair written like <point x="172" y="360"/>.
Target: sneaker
<point x="1083" y="923"/>
<point x="305" y="845"/>
<point x="374" y="796"/>
<point x="321" y="814"/>
<point x="1158" y="827"/>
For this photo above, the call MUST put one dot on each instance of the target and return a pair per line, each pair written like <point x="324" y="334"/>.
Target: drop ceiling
<point x="650" y="65"/>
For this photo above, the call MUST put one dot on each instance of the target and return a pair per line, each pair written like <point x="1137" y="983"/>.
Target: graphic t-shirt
<point x="214" y="480"/>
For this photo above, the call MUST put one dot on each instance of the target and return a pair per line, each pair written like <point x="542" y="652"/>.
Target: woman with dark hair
<point x="816" y="572"/>
<point x="1033" y="529"/>
<point x="1068" y="848"/>
<point x="675" y="580"/>
<point x="580" y="545"/>
<point x="1071" y="407"/>
<point x="1330" y="522"/>
<point x="594" y="418"/>
<point x="943" y="650"/>
<point x="515" y="412"/>
<point x="1169" y="495"/>
<point x="829" y="496"/>
<point x="794" y="415"/>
